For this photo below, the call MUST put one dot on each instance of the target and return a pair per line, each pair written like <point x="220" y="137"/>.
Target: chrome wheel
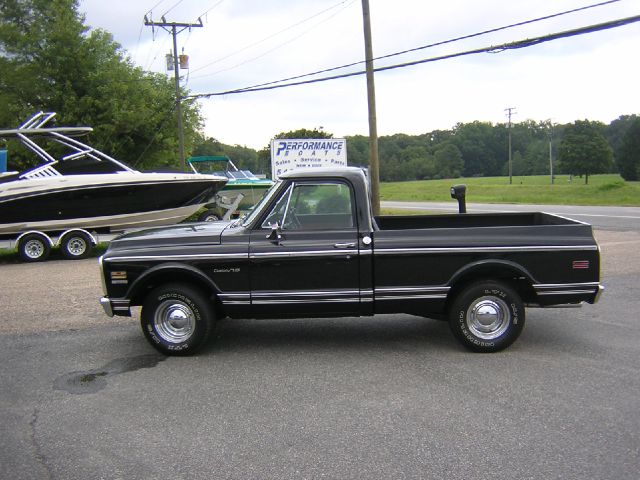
<point x="77" y="246"/>
<point x="174" y="321"/>
<point x="34" y="249"/>
<point x="488" y="317"/>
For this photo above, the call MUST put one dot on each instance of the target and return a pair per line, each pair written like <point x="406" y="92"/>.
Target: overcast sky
<point x="247" y="42"/>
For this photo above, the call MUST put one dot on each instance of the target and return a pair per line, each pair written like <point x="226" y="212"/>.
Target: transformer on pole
<point x="174" y="28"/>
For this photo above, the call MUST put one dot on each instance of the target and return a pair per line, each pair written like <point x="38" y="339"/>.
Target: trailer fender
<point x="73" y="230"/>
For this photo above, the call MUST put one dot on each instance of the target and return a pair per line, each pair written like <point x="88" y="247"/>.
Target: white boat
<point x="84" y="188"/>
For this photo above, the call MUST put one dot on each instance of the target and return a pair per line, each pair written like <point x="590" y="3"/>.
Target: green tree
<point x="481" y="150"/>
<point x="628" y="158"/>
<point x="49" y="60"/>
<point x="584" y="150"/>
<point x="244" y="158"/>
<point x="616" y="130"/>
<point x="358" y="150"/>
<point x="448" y="161"/>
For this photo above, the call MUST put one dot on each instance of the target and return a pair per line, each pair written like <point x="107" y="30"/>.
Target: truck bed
<point x="418" y="222"/>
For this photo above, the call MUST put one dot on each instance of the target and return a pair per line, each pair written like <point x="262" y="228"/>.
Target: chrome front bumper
<point x="115" y="307"/>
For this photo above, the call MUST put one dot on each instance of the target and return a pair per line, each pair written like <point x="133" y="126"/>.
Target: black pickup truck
<point x="312" y="248"/>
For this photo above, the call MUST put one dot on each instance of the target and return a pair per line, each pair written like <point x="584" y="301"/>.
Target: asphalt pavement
<point x="85" y="397"/>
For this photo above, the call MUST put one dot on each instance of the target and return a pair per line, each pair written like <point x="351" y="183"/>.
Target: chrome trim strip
<point x="341" y="293"/>
<point x="411" y="289"/>
<point x="203" y="256"/>
<point x="566" y="292"/>
<point x="531" y="248"/>
<point x="412" y="297"/>
<point x="302" y="253"/>
<point x="562" y="305"/>
<point x="544" y="286"/>
<point x="321" y="300"/>
<point x="103" y="280"/>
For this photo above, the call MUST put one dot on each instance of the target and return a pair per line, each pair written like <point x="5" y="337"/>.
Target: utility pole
<point x="551" y="150"/>
<point x="174" y="28"/>
<point x="374" y="165"/>
<point x="510" y="112"/>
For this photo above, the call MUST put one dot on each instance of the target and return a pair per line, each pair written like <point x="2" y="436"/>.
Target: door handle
<point x="344" y="245"/>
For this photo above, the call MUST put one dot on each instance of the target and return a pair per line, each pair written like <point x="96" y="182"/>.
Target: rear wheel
<point x="177" y="319"/>
<point x="487" y="316"/>
<point x="76" y="245"/>
<point x="34" y="247"/>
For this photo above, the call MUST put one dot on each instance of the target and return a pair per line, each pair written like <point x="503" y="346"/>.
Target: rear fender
<point x="491" y="269"/>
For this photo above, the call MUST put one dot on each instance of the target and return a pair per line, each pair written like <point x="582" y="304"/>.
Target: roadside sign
<point x="288" y="153"/>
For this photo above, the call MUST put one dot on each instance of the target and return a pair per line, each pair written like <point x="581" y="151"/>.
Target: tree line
<point x="481" y="149"/>
<point x="50" y="60"/>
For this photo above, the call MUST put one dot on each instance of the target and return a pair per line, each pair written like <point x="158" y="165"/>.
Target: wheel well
<point x="517" y="280"/>
<point x="141" y="289"/>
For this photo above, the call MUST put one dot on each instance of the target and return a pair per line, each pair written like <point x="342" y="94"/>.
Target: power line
<point x="491" y="49"/>
<point x="437" y="44"/>
<point x="493" y="30"/>
<point x="277" y="46"/>
<point x="151" y="9"/>
<point x="297" y="24"/>
<point x="171" y="8"/>
<point x="210" y="8"/>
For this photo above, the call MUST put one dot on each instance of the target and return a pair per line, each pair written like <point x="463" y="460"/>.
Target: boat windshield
<point x="258" y="207"/>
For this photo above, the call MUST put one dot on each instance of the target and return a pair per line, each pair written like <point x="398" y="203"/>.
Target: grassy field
<point x="601" y="190"/>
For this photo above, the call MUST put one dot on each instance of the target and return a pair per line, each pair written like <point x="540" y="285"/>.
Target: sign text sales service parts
<point x="287" y="154"/>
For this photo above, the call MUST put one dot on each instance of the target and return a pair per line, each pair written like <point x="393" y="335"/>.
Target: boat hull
<point x="111" y="202"/>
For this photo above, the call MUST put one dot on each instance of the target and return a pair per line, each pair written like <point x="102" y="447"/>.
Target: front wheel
<point x="177" y="319"/>
<point x="487" y="316"/>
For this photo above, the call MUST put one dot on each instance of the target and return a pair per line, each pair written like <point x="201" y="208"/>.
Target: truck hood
<point x="182" y="235"/>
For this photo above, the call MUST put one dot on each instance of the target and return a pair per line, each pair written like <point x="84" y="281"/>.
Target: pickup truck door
<point x="309" y="264"/>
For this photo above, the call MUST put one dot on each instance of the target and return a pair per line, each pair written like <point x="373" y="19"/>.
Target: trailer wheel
<point x="76" y="245"/>
<point x="208" y="216"/>
<point x="34" y="247"/>
<point x="177" y="319"/>
<point x="487" y="316"/>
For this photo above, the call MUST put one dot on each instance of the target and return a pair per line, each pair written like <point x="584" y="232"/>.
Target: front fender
<point x="167" y="272"/>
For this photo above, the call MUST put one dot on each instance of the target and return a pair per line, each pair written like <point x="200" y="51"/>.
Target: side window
<point x="277" y="214"/>
<point x="314" y="206"/>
